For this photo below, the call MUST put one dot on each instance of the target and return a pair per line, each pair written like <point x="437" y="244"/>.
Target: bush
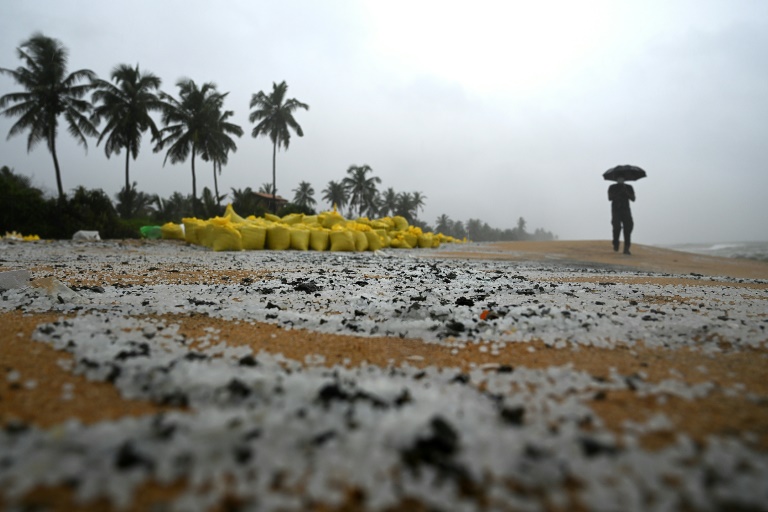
<point x="23" y="208"/>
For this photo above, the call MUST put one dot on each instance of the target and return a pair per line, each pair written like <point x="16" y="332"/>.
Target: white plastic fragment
<point x="86" y="236"/>
<point x="58" y="290"/>
<point x="14" y="279"/>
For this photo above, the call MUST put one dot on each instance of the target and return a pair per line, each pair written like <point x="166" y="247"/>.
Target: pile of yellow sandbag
<point x="327" y="231"/>
<point x="13" y="235"/>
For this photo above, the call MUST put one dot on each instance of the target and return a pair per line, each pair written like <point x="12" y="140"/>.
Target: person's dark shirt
<point x="620" y="194"/>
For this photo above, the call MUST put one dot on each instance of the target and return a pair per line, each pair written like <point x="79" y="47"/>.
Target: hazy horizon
<point x="494" y="110"/>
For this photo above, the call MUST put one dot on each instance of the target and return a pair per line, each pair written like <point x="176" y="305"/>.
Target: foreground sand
<point x="40" y="404"/>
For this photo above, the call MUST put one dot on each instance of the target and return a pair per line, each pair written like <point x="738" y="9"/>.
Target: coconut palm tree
<point x="361" y="190"/>
<point x="175" y="208"/>
<point x="418" y="202"/>
<point x="125" y="105"/>
<point x="132" y="203"/>
<point x="475" y="228"/>
<point x="265" y="188"/>
<point x="335" y="194"/>
<point x="406" y="206"/>
<point x="388" y="202"/>
<point x="458" y="230"/>
<point x="217" y="144"/>
<point x="304" y="195"/>
<point x="187" y="122"/>
<point x="244" y="202"/>
<point x="49" y="93"/>
<point x="275" y="116"/>
<point x="443" y="224"/>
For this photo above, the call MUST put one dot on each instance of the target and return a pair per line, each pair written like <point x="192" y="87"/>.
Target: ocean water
<point x="748" y="250"/>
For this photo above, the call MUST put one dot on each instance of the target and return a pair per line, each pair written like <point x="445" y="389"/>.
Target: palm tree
<point x="244" y="202"/>
<point x="361" y="190"/>
<point x="50" y="93"/>
<point x="218" y="143"/>
<point x="458" y="230"/>
<point x="131" y="203"/>
<point x="265" y="188"/>
<point x="418" y="202"/>
<point x="174" y="208"/>
<point x="126" y="105"/>
<point x="474" y="230"/>
<point x="275" y="116"/>
<point x="388" y="203"/>
<point x="335" y="194"/>
<point x="304" y="195"/>
<point x="406" y="206"/>
<point x="188" y="122"/>
<point x="443" y="224"/>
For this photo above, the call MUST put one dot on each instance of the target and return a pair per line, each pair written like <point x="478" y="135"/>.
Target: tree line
<point x="194" y="124"/>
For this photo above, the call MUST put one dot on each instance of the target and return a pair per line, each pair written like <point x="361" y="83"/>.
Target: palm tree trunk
<point x="194" y="184"/>
<point x="127" y="160"/>
<point x="274" y="181"/>
<point x="216" y="183"/>
<point x="52" y="148"/>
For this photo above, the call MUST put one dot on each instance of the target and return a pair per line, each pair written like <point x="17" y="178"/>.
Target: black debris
<point x="248" y="360"/>
<point x="307" y="287"/>
<point x="238" y="389"/>
<point x="514" y="416"/>
<point x="592" y="447"/>
<point x="127" y="457"/>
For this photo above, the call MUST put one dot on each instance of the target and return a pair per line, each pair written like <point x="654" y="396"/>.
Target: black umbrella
<point x="628" y="172"/>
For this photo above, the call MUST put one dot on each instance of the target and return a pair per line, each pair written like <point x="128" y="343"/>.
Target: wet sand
<point x="644" y="258"/>
<point x="36" y="398"/>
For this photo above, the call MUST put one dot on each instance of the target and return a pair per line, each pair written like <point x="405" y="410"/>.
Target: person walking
<point x="620" y="194"/>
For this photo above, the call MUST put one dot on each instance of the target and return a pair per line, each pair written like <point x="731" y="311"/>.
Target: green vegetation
<point x="194" y="124"/>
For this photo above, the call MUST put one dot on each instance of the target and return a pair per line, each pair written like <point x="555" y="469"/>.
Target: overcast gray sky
<point x="492" y="109"/>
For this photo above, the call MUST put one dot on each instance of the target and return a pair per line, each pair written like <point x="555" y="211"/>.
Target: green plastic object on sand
<point x="153" y="232"/>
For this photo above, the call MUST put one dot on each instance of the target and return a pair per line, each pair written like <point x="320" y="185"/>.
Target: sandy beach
<point x="507" y="376"/>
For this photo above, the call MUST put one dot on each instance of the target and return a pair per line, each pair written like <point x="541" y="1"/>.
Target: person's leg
<point x="616" y="223"/>
<point x="628" y="225"/>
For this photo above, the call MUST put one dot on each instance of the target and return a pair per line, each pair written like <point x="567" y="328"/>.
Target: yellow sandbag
<point x="425" y="241"/>
<point x="361" y="241"/>
<point x="191" y="227"/>
<point x="374" y="242"/>
<point x="411" y="239"/>
<point x="293" y="218"/>
<point x="401" y="224"/>
<point x="171" y="231"/>
<point x="273" y="218"/>
<point x="224" y="237"/>
<point x="415" y="230"/>
<point x="319" y="240"/>
<point x="385" y="223"/>
<point x="435" y="242"/>
<point x="254" y="236"/>
<point x="232" y="215"/>
<point x="383" y="236"/>
<point x="342" y="241"/>
<point x="205" y="235"/>
<point x="330" y="219"/>
<point x="278" y="237"/>
<point x="299" y="239"/>
<point x="398" y="243"/>
<point x="310" y="220"/>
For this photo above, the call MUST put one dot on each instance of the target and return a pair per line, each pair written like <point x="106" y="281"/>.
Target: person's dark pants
<point x="622" y="222"/>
